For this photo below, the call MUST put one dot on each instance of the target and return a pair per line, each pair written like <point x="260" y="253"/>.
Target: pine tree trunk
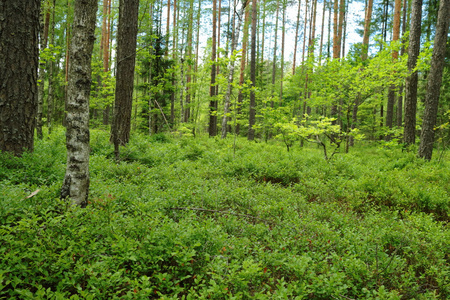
<point x="297" y="26"/>
<point x="76" y="179"/>
<point x="252" y="115"/>
<point x="187" y="108"/>
<point x="19" y="56"/>
<point x="402" y="51"/>
<point x="45" y="14"/>
<point x="321" y="31"/>
<point x="50" y="75"/>
<point x="413" y="79"/>
<point x="274" y="61"/>
<point x="212" y="87"/>
<point x="283" y="34"/>
<point x="434" y="81"/>
<point x="392" y="88"/>
<point x="366" y="35"/>
<point x="126" y="57"/>
<point x="231" y="66"/>
<point x="243" y="63"/>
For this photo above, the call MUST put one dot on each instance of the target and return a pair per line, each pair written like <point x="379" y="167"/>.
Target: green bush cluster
<point x="182" y="218"/>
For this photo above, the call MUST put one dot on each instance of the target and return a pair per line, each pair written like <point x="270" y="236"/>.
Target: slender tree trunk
<point x="126" y="57"/>
<point x="366" y="36"/>
<point x="168" y="28"/>
<point x="174" y="57"/>
<point x="212" y="88"/>
<point x="218" y="43"/>
<point x="304" y="34"/>
<point x="297" y="26"/>
<point x="50" y="75"/>
<point x="231" y="66"/>
<point x="76" y="179"/>
<point x="45" y="15"/>
<point x="321" y="32"/>
<point x="340" y="26"/>
<point x="243" y="63"/>
<point x="392" y="88"/>
<point x="67" y="60"/>
<point x="283" y="34"/>
<point x="252" y="115"/>
<point x="187" y="109"/>
<point x="19" y="56"/>
<point x="412" y="80"/>
<point x="274" y="61"/>
<point x="402" y="51"/>
<point x="434" y="81"/>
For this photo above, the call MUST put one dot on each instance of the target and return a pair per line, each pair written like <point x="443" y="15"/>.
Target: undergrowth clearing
<point x="183" y="218"/>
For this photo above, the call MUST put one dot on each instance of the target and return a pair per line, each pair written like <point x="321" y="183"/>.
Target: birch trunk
<point x="76" y="179"/>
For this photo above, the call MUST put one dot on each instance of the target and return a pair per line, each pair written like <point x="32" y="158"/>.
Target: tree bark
<point x="50" y="75"/>
<point x="412" y="80"/>
<point x="297" y="26"/>
<point x="392" y="88"/>
<point x="434" y="81"/>
<point x="126" y="57"/>
<point x="243" y="63"/>
<point x="19" y="55"/>
<point x="252" y="115"/>
<point x="321" y="32"/>
<point x="212" y="87"/>
<point x="231" y="66"/>
<point x="367" y="20"/>
<point x="45" y="14"/>
<point x="76" y="179"/>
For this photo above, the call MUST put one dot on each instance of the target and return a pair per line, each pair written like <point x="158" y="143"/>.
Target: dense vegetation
<point x="225" y="219"/>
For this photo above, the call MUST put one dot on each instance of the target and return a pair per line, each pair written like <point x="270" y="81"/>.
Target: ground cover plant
<point x="184" y="218"/>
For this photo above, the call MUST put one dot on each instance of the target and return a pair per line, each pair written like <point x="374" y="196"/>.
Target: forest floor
<point x="185" y="218"/>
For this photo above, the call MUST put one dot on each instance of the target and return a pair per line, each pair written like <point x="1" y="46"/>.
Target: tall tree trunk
<point x="297" y="26"/>
<point x="243" y="63"/>
<point x="413" y="79"/>
<point x="212" y="88"/>
<point x="45" y="15"/>
<point x="187" y="108"/>
<point x="340" y="26"/>
<point x="172" y="93"/>
<point x="274" y="61"/>
<point x="402" y="51"/>
<point x="231" y="66"/>
<point x="67" y="59"/>
<point x="304" y="33"/>
<point x="126" y="57"/>
<point x="19" y="60"/>
<point x="252" y="114"/>
<point x="283" y="34"/>
<point x="321" y="31"/>
<point x="50" y="75"/>
<point x="218" y="43"/>
<point x="434" y="81"/>
<point x="168" y="28"/>
<point x="76" y="179"/>
<point x="367" y="21"/>
<point x="392" y="88"/>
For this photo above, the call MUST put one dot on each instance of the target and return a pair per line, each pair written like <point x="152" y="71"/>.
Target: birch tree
<point x="76" y="180"/>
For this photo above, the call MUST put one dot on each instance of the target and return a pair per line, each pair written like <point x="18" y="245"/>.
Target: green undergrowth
<point x="201" y="218"/>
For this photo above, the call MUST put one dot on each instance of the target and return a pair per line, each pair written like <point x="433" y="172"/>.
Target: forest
<point x="212" y="149"/>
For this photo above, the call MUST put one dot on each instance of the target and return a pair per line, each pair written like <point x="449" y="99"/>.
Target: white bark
<point x="76" y="180"/>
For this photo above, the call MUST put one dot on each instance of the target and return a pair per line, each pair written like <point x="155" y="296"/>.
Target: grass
<point x="184" y="218"/>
